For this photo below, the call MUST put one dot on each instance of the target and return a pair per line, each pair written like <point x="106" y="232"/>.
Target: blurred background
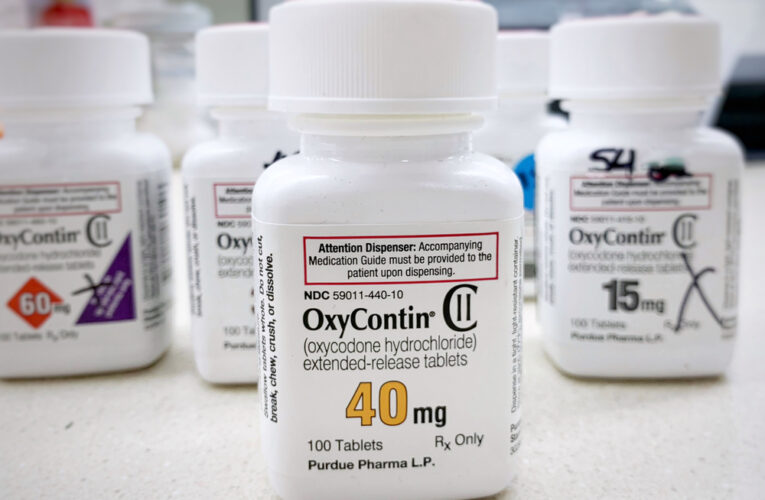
<point x="171" y="26"/>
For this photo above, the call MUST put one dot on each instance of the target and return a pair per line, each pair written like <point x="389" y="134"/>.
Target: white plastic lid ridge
<point x="232" y="65"/>
<point x="666" y="56"/>
<point x="73" y="67"/>
<point x="523" y="62"/>
<point x="382" y="57"/>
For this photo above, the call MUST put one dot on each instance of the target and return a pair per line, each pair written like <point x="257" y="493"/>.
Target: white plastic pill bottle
<point x="218" y="176"/>
<point x="638" y="203"/>
<point x="84" y="260"/>
<point x="512" y="132"/>
<point x="389" y="257"/>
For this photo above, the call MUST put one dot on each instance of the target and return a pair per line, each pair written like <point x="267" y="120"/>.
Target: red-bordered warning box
<point x="60" y="199"/>
<point x="352" y="270"/>
<point x="618" y="193"/>
<point x="233" y="200"/>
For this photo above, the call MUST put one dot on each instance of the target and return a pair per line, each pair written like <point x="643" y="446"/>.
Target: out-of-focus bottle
<point x="175" y="117"/>
<point x="513" y="130"/>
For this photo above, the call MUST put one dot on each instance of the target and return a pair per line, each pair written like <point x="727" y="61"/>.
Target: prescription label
<point x="83" y="262"/>
<point x="389" y="350"/>
<point x="649" y="248"/>
<point x="220" y="266"/>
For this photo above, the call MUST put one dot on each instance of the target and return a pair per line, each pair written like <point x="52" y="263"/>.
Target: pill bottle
<point x="84" y="250"/>
<point x="171" y="27"/>
<point x="218" y="176"/>
<point x="638" y="203"/>
<point x="388" y="257"/>
<point x="512" y="131"/>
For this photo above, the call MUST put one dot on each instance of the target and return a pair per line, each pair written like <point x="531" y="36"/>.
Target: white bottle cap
<point x="73" y="67"/>
<point x="668" y="56"/>
<point x="232" y="65"/>
<point x="382" y="57"/>
<point x="523" y="61"/>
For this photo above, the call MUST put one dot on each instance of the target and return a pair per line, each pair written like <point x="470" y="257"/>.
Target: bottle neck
<point x="522" y="107"/>
<point x="248" y="123"/>
<point x="70" y="124"/>
<point x="635" y="116"/>
<point x="514" y="114"/>
<point x="387" y="139"/>
<point x="396" y="149"/>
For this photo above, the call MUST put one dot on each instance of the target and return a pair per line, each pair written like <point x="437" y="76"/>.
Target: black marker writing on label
<point x="695" y="285"/>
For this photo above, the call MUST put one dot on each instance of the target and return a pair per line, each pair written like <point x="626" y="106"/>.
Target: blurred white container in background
<point x="512" y="131"/>
<point x="171" y="28"/>
<point x="737" y="19"/>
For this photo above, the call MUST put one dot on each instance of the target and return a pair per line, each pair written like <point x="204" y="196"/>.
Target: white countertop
<point x="163" y="432"/>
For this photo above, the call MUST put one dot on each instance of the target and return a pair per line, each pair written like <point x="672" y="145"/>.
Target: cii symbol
<point x="684" y="231"/>
<point x="684" y="235"/>
<point x="458" y="308"/>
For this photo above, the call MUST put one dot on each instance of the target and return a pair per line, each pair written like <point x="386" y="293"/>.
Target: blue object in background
<point x="526" y="172"/>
